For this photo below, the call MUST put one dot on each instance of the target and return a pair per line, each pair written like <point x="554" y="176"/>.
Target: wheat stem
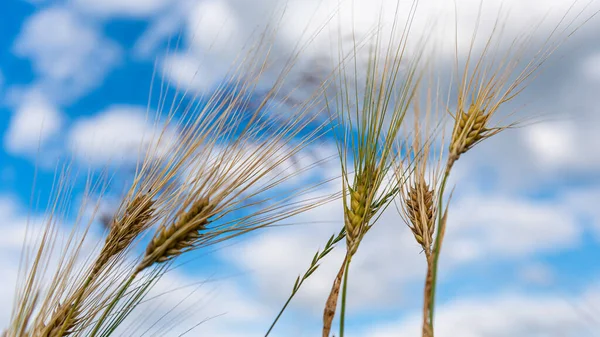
<point x="331" y="303"/>
<point x="344" y="292"/>
<point x="438" y="243"/>
<point x="113" y="303"/>
<point x="427" y="323"/>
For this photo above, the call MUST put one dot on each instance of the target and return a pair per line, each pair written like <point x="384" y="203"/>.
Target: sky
<point x="522" y="252"/>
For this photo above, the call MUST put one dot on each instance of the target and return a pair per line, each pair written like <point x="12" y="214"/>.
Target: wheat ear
<point x="370" y="127"/>
<point x="123" y="231"/>
<point x="421" y="213"/>
<point x="172" y="241"/>
<point x="484" y="87"/>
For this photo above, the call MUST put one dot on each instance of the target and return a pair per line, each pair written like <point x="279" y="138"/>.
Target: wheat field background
<point x="294" y="168"/>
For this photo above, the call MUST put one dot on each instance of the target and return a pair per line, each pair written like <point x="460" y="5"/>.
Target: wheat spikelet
<point x="123" y="231"/>
<point x="469" y="129"/>
<point x="357" y="216"/>
<point x="419" y="170"/>
<point x="420" y="210"/>
<point x="170" y="242"/>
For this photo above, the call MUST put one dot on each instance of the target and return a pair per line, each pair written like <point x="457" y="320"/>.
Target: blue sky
<point x="523" y="241"/>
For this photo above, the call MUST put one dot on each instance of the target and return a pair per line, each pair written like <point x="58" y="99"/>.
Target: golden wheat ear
<point x="486" y="82"/>
<point x="419" y="166"/>
<point x="371" y="112"/>
<point x="418" y="172"/>
<point x="492" y="77"/>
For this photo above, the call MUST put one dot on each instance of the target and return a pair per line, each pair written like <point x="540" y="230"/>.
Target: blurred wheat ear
<point x="226" y="172"/>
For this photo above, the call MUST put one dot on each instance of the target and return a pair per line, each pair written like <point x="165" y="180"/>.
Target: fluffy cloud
<point x="216" y="38"/>
<point x="509" y="314"/>
<point x="591" y="67"/>
<point x="35" y="122"/>
<point x="489" y="226"/>
<point x="553" y="144"/>
<point x="66" y="51"/>
<point x="564" y="146"/>
<point x="135" y="8"/>
<point x="585" y="201"/>
<point x="120" y="134"/>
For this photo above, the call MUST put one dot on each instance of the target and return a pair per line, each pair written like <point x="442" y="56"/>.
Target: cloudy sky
<point x="522" y="256"/>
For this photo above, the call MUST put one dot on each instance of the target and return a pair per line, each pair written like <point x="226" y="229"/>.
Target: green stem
<point x="344" y="288"/>
<point x="282" y="310"/>
<point x="438" y="241"/>
<point x="112" y="304"/>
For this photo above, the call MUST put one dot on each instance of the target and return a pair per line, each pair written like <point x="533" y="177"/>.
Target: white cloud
<point x="163" y="27"/>
<point x="591" y="67"/>
<point x="492" y="226"/>
<point x="120" y="134"/>
<point x="132" y="8"/>
<point x="188" y="72"/>
<point x="215" y="24"/>
<point x="565" y="146"/>
<point x="34" y="123"/>
<point x="584" y="201"/>
<point x="504" y="315"/>
<point x="67" y="52"/>
<point x="553" y="144"/>
<point x="217" y="28"/>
